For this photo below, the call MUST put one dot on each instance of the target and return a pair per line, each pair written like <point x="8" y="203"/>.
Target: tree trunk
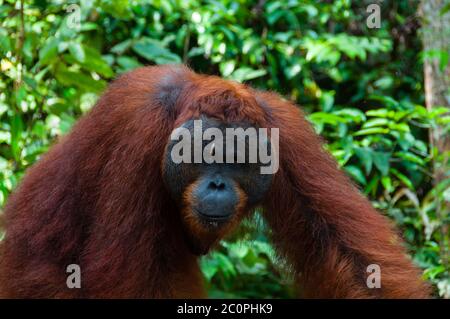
<point x="436" y="46"/>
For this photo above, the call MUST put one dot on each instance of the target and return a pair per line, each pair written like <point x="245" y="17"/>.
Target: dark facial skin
<point x="215" y="192"/>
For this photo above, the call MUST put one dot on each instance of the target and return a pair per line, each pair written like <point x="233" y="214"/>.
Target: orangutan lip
<point x="209" y="218"/>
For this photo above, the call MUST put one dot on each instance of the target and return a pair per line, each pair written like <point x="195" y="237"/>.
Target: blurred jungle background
<point x="373" y="77"/>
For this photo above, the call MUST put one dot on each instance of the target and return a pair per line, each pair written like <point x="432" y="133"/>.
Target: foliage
<point x="361" y="87"/>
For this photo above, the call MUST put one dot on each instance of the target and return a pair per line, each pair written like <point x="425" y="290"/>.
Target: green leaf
<point x="381" y="161"/>
<point x="5" y="42"/>
<point x="225" y="265"/>
<point x="154" y="50"/>
<point x="245" y="73"/>
<point x="119" y="9"/>
<point x="356" y="115"/>
<point x="128" y="63"/>
<point x="402" y="178"/>
<point x="384" y="83"/>
<point x="372" y="186"/>
<point x="388" y="101"/>
<point x="66" y="123"/>
<point x="292" y="70"/>
<point x="17" y="128"/>
<point x="209" y="268"/>
<point x="445" y="9"/>
<point x="77" y="51"/>
<point x="39" y="129"/>
<point x="238" y="250"/>
<point x="446" y="194"/>
<point x="356" y="173"/>
<point x="327" y="101"/>
<point x="365" y="156"/>
<point x="375" y="122"/>
<point x="434" y="271"/>
<point x="378" y="113"/>
<point x="226" y="68"/>
<point x="326" y="118"/>
<point x="371" y="131"/>
<point x="49" y="51"/>
<point x="121" y="47"/>
<point x="80" y="80"/>
<point x="400" y="127"/>
<point x="3" y="164"/>
<point x="410" y="157"/>
<point x="94" y="62"/>
<point x="387" y="183"/>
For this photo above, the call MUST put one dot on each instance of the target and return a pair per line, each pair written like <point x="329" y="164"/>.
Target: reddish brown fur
<point x="96" y="199"/>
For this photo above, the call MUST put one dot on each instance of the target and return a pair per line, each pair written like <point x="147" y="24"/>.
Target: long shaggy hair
<point x="97" y="200"/>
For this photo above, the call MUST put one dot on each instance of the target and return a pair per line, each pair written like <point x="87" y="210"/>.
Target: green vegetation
<point x="362" y="89"/>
